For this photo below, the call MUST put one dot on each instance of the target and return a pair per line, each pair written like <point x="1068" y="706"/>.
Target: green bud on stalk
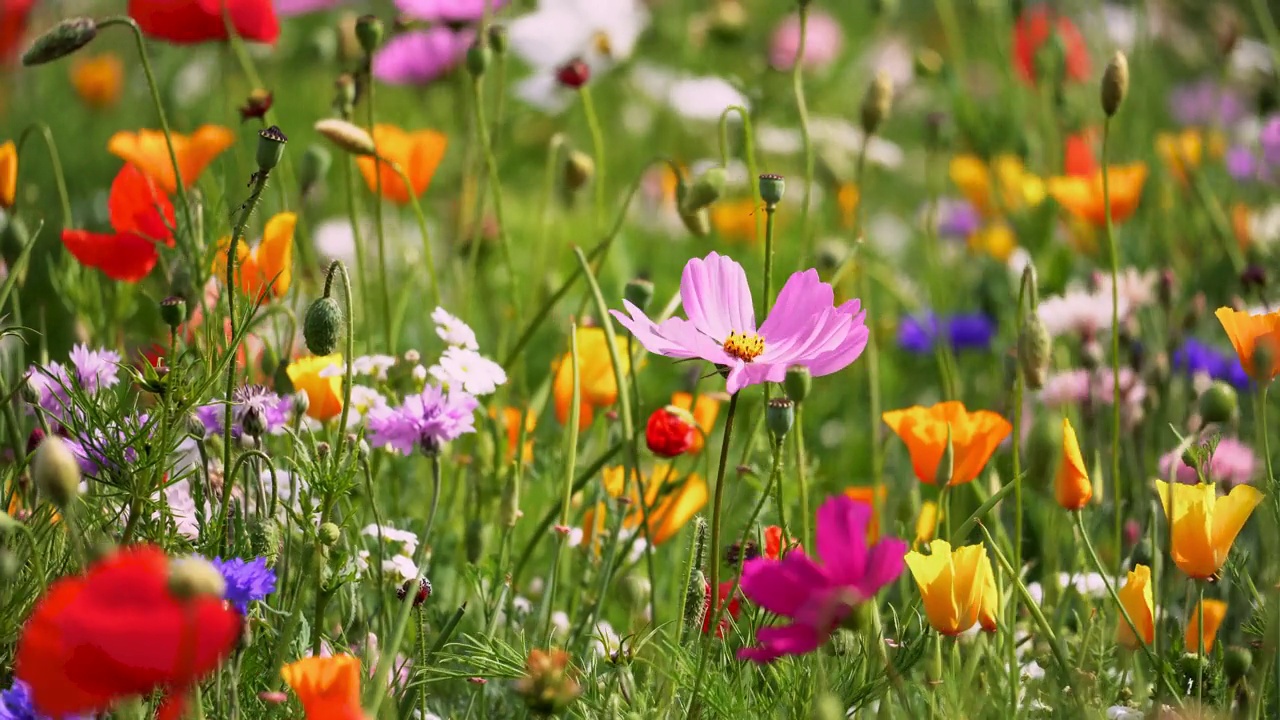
<point x="61" y="40"/>
<point x="322" y="326"/>
<point x="271" y="144"/>
<point x="56" y="471"/>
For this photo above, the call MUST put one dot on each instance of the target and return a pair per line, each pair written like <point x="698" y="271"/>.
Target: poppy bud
<point x="252" y="421"/>
<point x="670" y="432"/>
<point x="173" y="310"/>
<point x="877" y="103"/>
<point x="705" y="190"/>
<point x="301" y="403"/>
<point x="1238" y="662"/>
<point x="779" y="416"/>
<point x="1072" y="488"/>
<point x="257" y="105"/>
<point x="1264" y="359"/>
<point x="270" y="148"/>
<point x="947" y="464"/>
<point x="698" y="223"/>
<point x="329" y="534"/>
<point x="322" y="325"/>
<point x="1218" y="403"/>
<point x="695" y="601"/>
<point x="265" y="539"/>
<point x="574" y="74"/>
<point x="1193" y="665"/>
<point x="699" y="540"/>
<point x="61" y="40"/>
<point x="797" y="383"/>
<point x="579" y="168"/>
<point x="314" y="166"/>
<point x="498" y="39"/>
<point x="474" y="540"/>
<point x="362" y="449"/>
<point x="345" y="90"/>
<point x="369" y="31"/>
<point x="772" y="188"/>
<point x="348" y="137"/>
<point x="191" y="577"/>
<point x="638" y="292"/>
<point x="420" y="596"/>
<point x="478" y="58"/>
<point x="509" y="508"/>
<point x="1115" y="83"/>
<point x="1035" y="348"/>
<point x="56" y="471"/>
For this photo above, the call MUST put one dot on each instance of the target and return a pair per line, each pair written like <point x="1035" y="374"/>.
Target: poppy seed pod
<point x="322" y="326"/>
<point x="270" y="148"/>
<point x="61" y="40"/>
<point x="1115" y="83"/>
<point x="56" y="471"/>
<point x="347" y="136"/>
<point x="772" y="188"/>
<point x="779" y="417"/>
<point x="173" y="310"/>
<point x="191" y="577"/>
<point x="705" y="190"/>
<point x="877" y="103"/>
<point x="369" y="31"/>
<point x="1238" y="662"/>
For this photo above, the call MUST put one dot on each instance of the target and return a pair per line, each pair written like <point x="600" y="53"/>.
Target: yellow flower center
<point x="602" y="44"/>
<point x="744" y="346"/>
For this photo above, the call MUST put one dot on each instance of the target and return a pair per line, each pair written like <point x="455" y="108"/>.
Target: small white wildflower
<point x="453" y="330"/>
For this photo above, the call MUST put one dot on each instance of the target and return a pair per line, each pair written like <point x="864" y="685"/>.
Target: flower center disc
<point x="602" y="44"/>
<point x="746" y="347"/>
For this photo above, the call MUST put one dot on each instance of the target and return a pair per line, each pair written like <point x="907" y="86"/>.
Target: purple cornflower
<point x="429" y="420"/>
<point x="1232" y="463"/>
<point x="970" y="331"/>
<point x="97" y="451"/>
<point x="255" y="411"/>
<point x="16" y="704"/>
<point x="1242" y="164"/>
<point x="420" y="57"/>
<point x="247" y="581"/>
<point x="1206" y="103"/>
<point x="1197" y="358"/>
<point x="90" y="370"/>
<point x="802" y="329"/>
<point x="958" y="219"/>
<point x="95" y="369"/>
<point x="818" y="596"/>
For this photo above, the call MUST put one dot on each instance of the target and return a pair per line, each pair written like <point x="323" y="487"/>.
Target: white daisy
<point x="468" y="370"/>
<point x="374" y="365"/>
<point x="453" y="330"/>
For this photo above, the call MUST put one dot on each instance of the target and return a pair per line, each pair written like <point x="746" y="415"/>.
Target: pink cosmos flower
<point x="1232" y="463"/>
<point x="448" y="11"/>
<point x="823" y="42"/>
<point x="423" y="56"/>
<point x="818" y="597"/>
<point x="804" y="328"/>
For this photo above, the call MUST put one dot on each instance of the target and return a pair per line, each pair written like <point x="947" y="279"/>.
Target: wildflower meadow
<point x="631" y="359"/>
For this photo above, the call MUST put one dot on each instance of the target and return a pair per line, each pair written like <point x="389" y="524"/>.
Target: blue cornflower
<point x="247" y="580"/>
<point x="966" y="331"/>
<point x="1195" y="357"/>
<point x="15" y="704"/>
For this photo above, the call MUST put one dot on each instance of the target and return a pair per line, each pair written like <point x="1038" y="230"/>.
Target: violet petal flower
<point x="804" y="328"/>
<point x="1232" y="463"/>
<point x="428" y="420"/>
<point x="247" y="581"/>
<point x="421" y="57"/>
<point x="823" y="41"/>
<point x="972" y="331"/>
<point x="818" y="597"/>
<point x="1195" y="358"/>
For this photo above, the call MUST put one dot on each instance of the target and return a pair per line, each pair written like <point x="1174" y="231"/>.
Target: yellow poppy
<point x="418" y="153"/>
<point x="1082" y="196"/>
<point x="1016" y="188"/>
<point x="596" y="384"/>
<point x="735" y="220"/>
<point x="1248" y="333"/>
<point x="847" y="199"/>
<point x="269" y="265"/>
<point x="147" y="151"/>
<point x="1183" y="151"/>
<point x="1139" y="603"/>
<point x="321" y="378"/>
<point x="958" y="587"/>
<point x="672" y="502"/>
<point x="995" y="239"/>
<point x="1203" y="526"/>
<point x="927" y="522"/>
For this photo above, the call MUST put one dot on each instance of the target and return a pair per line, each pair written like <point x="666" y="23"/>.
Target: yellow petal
<point x="275" y="254"/>
<point x="1229" y="515"/>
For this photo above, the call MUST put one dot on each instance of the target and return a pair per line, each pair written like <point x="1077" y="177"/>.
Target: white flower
<point x="335" y="240"/>
<point x="834" y="137"/>
<point x="468" y="370"/>
<point x="1079" y="311"/>
<point x="693" y="98"/>
<point x="375" y="365"/>
<point x="605" y="641"/>
<point x="601" y="33"/>
<point x="453" y="331"/>
<point x="191" y="84"/>
<point x="522" y="605"/>
<point x="419" y="373"/>
<point x="364" y="399"/>
<point x="1032" y="670"/>
<point x="1086" y="584"/>
<point x="1264" y="225"/>
<point x="407" y="539"/>
<point x="1120" y="712"/>
<point x="1137" y="288"/>
<point x="402" y="564"/>
<point x="182" y="508"/>
<point x="560" y="623"/>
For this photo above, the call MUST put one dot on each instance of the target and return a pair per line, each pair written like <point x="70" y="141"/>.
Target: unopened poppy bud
<point x="947" y="464"/>
<point x="699" y="540"/>
<point x="474" y="540"/>
<point x="362" y="449"/>
<point x="252" y="421"/>
<point x="670" y="432"/>
<point x="478" y="58"/>
<point x="1193" y="665"/>
<point x="574" y="74"/>
<point x="329" y="534"/>
<point x="498" y="39"/>
<point x="301" y="403"/>
<point x="797" y="383"/>
<point x="695" y="601"/>
<point x="173" y="310"/>
<point x="1218" y="403"/>
<point x="322" y="326"/>
<point x="369" y="31"/>
<point x="1237" y="663"/>
<point x="1035" y="349"/>
<point x="1115" y="83"/>
<point x="877" y="103"/>
<point x="346" y="136"/>
<point x="638" y="292"/>
<point x="56" y="471"/>
<point x="1264" y="360"/>
<point x="61" y="40"/>
<point x="191" y="577"/>
<point x="705" y="190"/>
<point x="779" y="417"/>
<point x="635" y="591"/>
<point x="509" y="508"/>
<point x="314" y="166"/>
<point x="270" y="148"/>
<point x="698" y="223"/>
<point x="345" y="92"/>
<point x="10" y="566"/>
<point x="579" y="168"/>
<point x="772" y="188"/>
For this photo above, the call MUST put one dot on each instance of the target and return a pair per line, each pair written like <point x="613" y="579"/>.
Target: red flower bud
<point x="574" y="74"/>
<point x="671" y="431"/>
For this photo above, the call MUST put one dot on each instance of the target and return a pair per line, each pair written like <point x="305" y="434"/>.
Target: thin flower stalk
<point x="802" y="110"/>
<point x="1116" y="404"/>
<point x="493" y="182"/>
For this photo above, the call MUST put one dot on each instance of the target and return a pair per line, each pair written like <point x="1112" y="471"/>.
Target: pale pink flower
<point x="1232" y="463"/>
<point x="823" y="41"/>
<point x="1078" y="311"/>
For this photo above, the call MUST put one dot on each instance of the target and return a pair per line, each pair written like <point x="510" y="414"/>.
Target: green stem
<point x="1200" y="645"/>
<point x="423" y="231"/>
<point x="571" y="452"/>
<point x="802" y="479"/>
<point x="597" y="147"/>
<point x="1115" y="340"/>
<point x="493" y="182"/>
<point x="385" y="287"/>
<point x="802" y="109"/>
<point x="348" y="167"/>
<point x="58" y="179"/>
<point x="872" y="351"/>
<point x="337" y="268"/>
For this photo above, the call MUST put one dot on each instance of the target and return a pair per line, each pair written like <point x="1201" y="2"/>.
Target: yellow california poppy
<point x="1204" y="525"/>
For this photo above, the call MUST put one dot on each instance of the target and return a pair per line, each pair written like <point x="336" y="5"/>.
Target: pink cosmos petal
<point x="782" y="586"/>
<point x="761" y="655"/>
<point x="803" y="294"/>
<point x="883" y="565"/>
<point x="850" y="348"/>
<point x="448" y="11"/>
<point x="796" y="639"/>
<point x="675" y="337"/>
<point x="842" y="538"/>
<point x="716" y="296"/>
<point x="418" y="58"/>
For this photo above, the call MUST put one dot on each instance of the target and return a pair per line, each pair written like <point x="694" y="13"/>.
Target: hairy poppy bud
<point x="638" y="292"/>
<point x="1035" y="348"/>
<point x="1238" y="662"/>
<point x="779" y="416"/>
<point x="265" y="539"/>
<point x="797" y="382"/>
<point x="56" y="471"/>
<point x="772" y="188"/>
<point x="877" y="103"/>
<point x="301" y="403"/>
<point x="699" y="540"/>
<point x="329" y="534"/>
<point x="61" y="40"/>
<point x="478" y="58"/>
<point x="191" y="577"/>
<point x="1115" y="83"/>
<point x="345" y="92"/>
<point x="1219" y="403"/>
<point x="173" y="310"/>
<point x="670" y="432"/>
<point x="698" y="223"/>
<point x="346" y="136"/>
<point x="322" y="325"/>
<point x="695" y="601"/>
<point x="314" y="166"/>
<point x="579" y="168"/>
<point x="705" y="190"/>
<point x="369" y="31"/>
<point x="270" y="147"/>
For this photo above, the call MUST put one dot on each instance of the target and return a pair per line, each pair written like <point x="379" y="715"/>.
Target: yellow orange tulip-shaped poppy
<point x="8" y="174"/>
<point x="974" y="437"/>
<point x="1203" y="526"/>
<point x="958" y="587"/>
<point x="1214" y="611"/>
<point x="266" y="269"/>
<point x="321" y="378"/>
<point x="597" y="386"/>
<point x="417" y="153"/>
<point x="1250" y="333"/>
<point x="1071" y="486"/>
<point x="1139" y="603"/>
<point x="329" y="687"/>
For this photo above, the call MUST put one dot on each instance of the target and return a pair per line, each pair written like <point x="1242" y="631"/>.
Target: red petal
<point x="196" y="21"/>
<point x="138" y="205"/>
<point x="13" y="25"/>
<point x="126" y="257"/>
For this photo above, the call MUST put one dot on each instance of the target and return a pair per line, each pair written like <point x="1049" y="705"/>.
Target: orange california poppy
<point x="321" y="378"/>
<point x="269" y="264"/>
<point x="672" y="502"/>
<point x="735" y="220"/>
<point x="8" y="174"/>
<point x="98" y="80"/>
<point x="596" y="384"/>
<point x="329" y="687"/>
<point x="1138" y="601"/>
<point x="118" y="631"/>
<point x="1214" y="612"/>
<point x="867" y="496"/>
<point x="974" y="438"/>
<point x="705" y="411"/>
<point x="1071" y="486"/>
<point x="418" y="154"/>
<point x="147" y="150"/>
<point x="1249" y="333"/>
<point x="509" y="418"/>
<point x="1082" y="196"/>
<point x="141" y="215"/>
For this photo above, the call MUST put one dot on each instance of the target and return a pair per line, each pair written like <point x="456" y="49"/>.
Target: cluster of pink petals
<point x="818" y="596"/>
<point x="823" y="41"/>
<point x="1232" y="463"/>
<point x="803" y="328"/>
<point x="1080" y="386"/>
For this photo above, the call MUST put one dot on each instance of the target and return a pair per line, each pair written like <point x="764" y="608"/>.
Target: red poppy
<point x="729" y="613"/>
<point x="186" y="22"/>
<point x="671" y="431"/>
<point x="141" y="216"/>
<point x="1036" y="27"/>
<point x="13" y="26"/>
<point x="117" y="631"/>
<point x="1078" y="159"/>
<point x="773" y="543"/>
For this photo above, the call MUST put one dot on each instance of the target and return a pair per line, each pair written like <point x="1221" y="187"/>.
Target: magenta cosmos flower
<point x="819" y="596"/>
<point x="804" y="328"/>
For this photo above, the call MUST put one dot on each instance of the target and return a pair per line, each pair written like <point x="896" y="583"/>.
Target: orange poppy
<point x="141" y="215"/>
<point x="269" y="265"/>
<point x="329" y="687"/>
<point x="867" y="496"/>
<point x="98" y="80"/>
<point x="148" y="151"/>
<point x="1214" y="611"/>
<point x="735" y="220"/>
<point x="1249" y="333"/>
<point x="418" y="154"/>
<point x="974" y="438"/>
<point x="1139" y="602"/>
<point x="321" y="378"/>
<point x="8" y="174"/>
<point x="1082" y="196"/>
<point x="1071" y="486"/>
<point x="510" y="421"/>
<point x="705" y="411"/>
<point x="119" y="631"/>
<point x="597" y="386"/>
